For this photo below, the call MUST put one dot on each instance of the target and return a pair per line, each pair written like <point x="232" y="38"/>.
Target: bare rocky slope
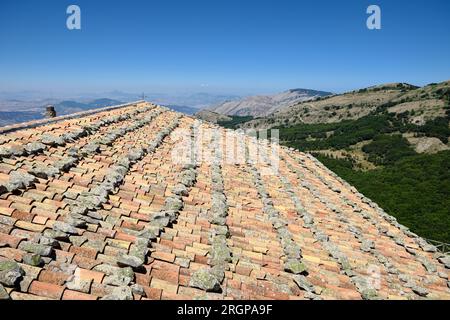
<point x="421" y="104"/>
<point x="212" y="116"/>
<point x="264" y="105"/>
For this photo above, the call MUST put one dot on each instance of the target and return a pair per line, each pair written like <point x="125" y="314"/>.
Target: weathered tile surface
<point x="94" y="207"/>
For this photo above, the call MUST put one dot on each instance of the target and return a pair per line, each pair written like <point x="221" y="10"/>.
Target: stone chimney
<point x="50" y="111"/>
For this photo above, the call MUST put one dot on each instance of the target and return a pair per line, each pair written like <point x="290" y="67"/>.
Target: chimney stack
<point x="50" y="111"/>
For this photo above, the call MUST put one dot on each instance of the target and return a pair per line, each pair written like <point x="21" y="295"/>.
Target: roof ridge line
<point x="43" y="122"/>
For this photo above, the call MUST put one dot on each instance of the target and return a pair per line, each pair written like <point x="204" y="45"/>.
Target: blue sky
<point x="221" y="46"/>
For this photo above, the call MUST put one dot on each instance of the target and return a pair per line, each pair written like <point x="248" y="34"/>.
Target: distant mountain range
<point x="22" y="106"/>
<point x="264" y="105"/>
<point x="211" y="116"/>
<point x="17" y="110"/>
<point x="69" y="107"/>
<point x="193" y="100"/>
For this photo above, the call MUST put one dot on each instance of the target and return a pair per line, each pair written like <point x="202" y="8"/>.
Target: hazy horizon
<point x="92" y="94"/>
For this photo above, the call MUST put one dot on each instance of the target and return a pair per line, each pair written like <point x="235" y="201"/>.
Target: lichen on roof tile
<point x="113" y="205"/>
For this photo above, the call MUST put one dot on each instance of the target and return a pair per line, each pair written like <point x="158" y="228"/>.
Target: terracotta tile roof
<point x="97" y="207"/>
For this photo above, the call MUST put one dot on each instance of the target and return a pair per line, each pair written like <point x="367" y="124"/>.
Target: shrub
<point x="387" y="149"/>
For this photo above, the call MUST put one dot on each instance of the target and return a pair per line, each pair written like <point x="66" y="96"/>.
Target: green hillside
<point x="235" y="121"/>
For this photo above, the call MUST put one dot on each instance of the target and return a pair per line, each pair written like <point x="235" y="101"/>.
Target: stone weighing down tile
<point x="256" y="249"/>
<point x="50" y="160"/>
<point x="293" y="275"/>
<point x="395" y="254"/>
<point x="58" y="159"/>
<point x="123" y="235"/>
<point x="185" y="243"/>
<point x="179" y="243"/>
<point x="35" y="140"/>
<point x="147" y="228"/>
<point x="84" y="253"/>
<point x="395" y="231"/>
<point x="46" y="199"/>
<point x="396" y="285"/>
<point x="135" y="212"/>
<point x="211" y="277"/>
<point x="32" y="130"/>
<point x="125" y="232"/>
<point x="326" y="229"/>
<point x="330" y="235"/>
<point x="343" y="216"/>
<point x="390" y="247"/>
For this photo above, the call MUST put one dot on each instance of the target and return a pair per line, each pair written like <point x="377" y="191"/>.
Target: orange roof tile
<point x="97" y="206"/>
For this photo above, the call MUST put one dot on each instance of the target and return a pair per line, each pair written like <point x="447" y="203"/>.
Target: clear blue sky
<point x="222" y="45"/>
